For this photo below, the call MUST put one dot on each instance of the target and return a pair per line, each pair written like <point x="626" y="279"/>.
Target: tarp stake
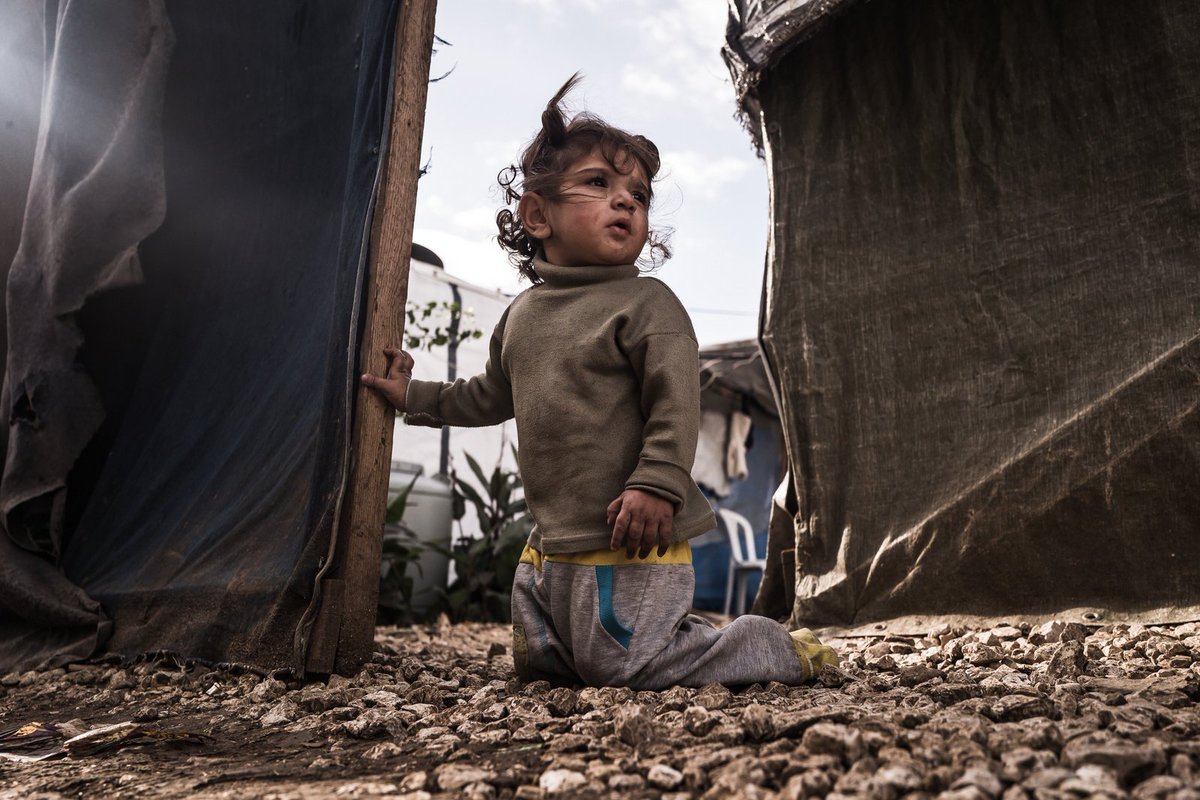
<point x="350" y="635"/>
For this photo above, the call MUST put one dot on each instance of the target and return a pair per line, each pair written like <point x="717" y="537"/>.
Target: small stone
<point x="382" y="698"/>
<point x="951" y="693"/>
<point x="373" y="788"/>
<point x="493" y="713"/>
<point x="121" y="679"/>
<point x="835" y="740"/>
<point x="633" y="725"/>
<point x="1092" y="779"/>
<point x="1021" y="761"/>
<point x="884" y="663"/>
<point x="432" y="732"/>
<point x="714" y="697"/>
<point x="964" y="793"/>
<point x="1067" y="663"/>
<point x="989" y="638"/>
<point x="1048" y="778"/>
<point x="758" y="722"/>
<point x="316" y="698"/>
<point x="560" y="781"/>
<point x="1014" y="707"/>
<point x="478" y="791"/>
<point x="664" y="776"/>
<point x="383" y="751"/>
<point x="569" y="743"/>
<point x="1073" y="632"/>
<point x="1129" y="763"/>
<point x="811" y="783"/>
<point x="878" y="650"/>
<point x="371" y="723"/>
<point x="698" y="720"/>
<point x="267" y="690"/>
<point x="414" y="781"/>
<point x="561" y="701"/>
<point x="1048" y="632"/>
<point x="527" y="733"/>
<point x="1156" y="787"/>
<point x="918" y="673"/>
<point x="980" y="655"/>
<point x="981" y="779"/>
<point x="894" y="779"/>
<point x="1006" y="633"/>
<point x="426" y="694"/>
<point x="831" y="677"/>
<point x="285" y="710"/>
<point x="1182" y="767"/>
<point x="452" y="777"/>
<point x="622" y="782"/>
<point x="495" y="736"/>
<point x="496" y="649"/>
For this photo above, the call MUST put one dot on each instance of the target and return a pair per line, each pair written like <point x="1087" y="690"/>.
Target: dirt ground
<point x="1053" y="711"/>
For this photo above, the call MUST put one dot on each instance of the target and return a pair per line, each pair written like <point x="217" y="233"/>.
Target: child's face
<point x="600" y="217"/>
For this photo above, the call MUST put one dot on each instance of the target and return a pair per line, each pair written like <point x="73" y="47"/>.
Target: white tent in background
<point x="431" y="451"/>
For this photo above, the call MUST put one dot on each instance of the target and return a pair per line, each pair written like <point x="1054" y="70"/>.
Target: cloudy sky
<point x="652" y="67"/>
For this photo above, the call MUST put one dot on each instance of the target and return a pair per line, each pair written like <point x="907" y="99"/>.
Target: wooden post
<point x="343" y="636"/>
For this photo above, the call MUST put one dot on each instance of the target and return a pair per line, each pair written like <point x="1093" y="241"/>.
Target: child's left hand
<point x="640" y="520"/>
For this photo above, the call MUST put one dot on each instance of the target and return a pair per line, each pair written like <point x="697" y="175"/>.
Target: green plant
<point x="436" y="324"/>
<point x="484" y="565"/>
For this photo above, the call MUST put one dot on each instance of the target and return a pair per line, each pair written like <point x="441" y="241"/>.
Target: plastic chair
<point x="745" y="558"/>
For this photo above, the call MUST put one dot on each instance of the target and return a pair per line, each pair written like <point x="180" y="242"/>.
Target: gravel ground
<point x="1050" y="711"/>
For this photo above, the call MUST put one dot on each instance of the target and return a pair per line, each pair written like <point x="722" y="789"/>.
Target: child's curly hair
<point x="543" y="164"/>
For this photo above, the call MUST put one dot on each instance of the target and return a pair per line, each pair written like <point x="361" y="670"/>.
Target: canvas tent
<point x="982" y="302"/>
<point x="186" y="301"/>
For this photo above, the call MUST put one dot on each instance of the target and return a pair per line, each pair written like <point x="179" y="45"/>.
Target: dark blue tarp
<point x="200" y="488"/>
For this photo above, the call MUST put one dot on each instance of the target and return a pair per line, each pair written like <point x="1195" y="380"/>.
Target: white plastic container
<point x="428" y="514"/>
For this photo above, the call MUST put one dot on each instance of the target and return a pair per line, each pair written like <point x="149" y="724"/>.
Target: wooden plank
<point x="360" y="538"/>
<point x="322" y="650"/>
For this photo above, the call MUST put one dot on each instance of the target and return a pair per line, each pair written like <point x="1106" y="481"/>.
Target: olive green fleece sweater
<point x="600" y="368"/>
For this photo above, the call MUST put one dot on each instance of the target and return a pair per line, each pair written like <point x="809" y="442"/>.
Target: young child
<point x="600" y="368"/>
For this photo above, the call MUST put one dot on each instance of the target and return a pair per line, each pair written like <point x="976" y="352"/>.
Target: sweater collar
<point x="554" y="275"/>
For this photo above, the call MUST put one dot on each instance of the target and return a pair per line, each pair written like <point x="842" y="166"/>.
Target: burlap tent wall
<point x="982" y="302"/>
<point x="182" y="317"/>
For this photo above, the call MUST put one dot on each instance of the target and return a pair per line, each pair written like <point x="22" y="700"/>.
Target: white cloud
<point x="479" y="221"/>
<point x="683" y="39"/>
<point x="702" y="175"/>
<point x="556" y="8"/>
<point x="648" y="83"/>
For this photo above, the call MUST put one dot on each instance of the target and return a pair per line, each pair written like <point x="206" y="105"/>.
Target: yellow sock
<point x="813" y="655"/>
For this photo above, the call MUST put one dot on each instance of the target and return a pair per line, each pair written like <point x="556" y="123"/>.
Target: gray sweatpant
<point x="628" y="625"/>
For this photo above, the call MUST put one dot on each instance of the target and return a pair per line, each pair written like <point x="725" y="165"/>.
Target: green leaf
<point x="496" y="482"/>
<point x="458" y="505"/>
<point x="395" y="509"/>
<point x="468" y="491"/>
<point x="476" y="469"/>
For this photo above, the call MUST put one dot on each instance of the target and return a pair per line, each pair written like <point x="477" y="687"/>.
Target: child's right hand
<point x="394" y="385"/>
<point x="640" y="522"/>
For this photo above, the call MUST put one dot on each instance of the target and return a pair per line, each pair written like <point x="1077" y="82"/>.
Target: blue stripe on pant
<point x="608" y="614"/>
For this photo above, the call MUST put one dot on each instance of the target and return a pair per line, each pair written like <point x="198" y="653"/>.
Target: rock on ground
<point x="1017" y="711"/>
